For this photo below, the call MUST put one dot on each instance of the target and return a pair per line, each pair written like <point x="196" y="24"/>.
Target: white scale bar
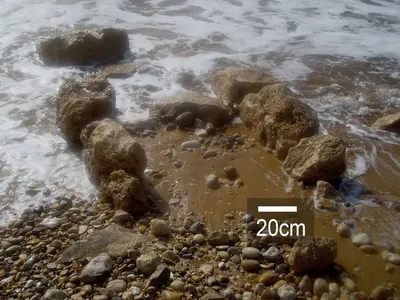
<point x="277" y="209"/>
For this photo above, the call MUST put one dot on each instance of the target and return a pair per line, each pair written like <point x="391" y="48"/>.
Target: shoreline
<point x="161" y="172"/>
<point x="145" y="238"/>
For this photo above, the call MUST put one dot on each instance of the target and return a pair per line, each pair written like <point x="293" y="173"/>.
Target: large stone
<point x="84" y="47"/>
<point x="97" y="269"/>
<point x="389" y="122"/>
<point x="325" y="159"/>
<point x="81" y="102"/>
<point x="232" y="84"/>
<point x="109" y="147"/>
<point x="99" y="242"/>
<point x="309" y="254"/>
<point x="326" y="197"/>
<point x="209" y="110"/>
<point x="279" y="118"/>
<point x="126" y="192"/>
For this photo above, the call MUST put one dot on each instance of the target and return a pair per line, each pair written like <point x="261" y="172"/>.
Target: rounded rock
<point x="250" y="265"/>
<point x="306" y="284"/>
<point x="383" y="292"/>
<point x="169" y="295"/>
<point x="334" y="290"/>
<point x="13" y="249"/>
<point x="287" y="292"/>
<point x="325" y="296"/>
<point x="250" y="252"/>
<point x="212" y="182"/>
<point x="343" y="230"/>
<point x="199" y="238"/>
<point x="228" y="293"/>
<point x="268" y="278"/>
<point x="53" y="294"/>
<point x="159" y="227"/>
<point x="247" y="218"/>
<point x="178" y="285"/>
<point x="218" y="238"/>
<point x="369" y="249"/>
<point x="320" y="287"/>
<point x="117" y="285"/>
<point x="248" y="296"/>
<point x="231" y="173"/>
<point x="147" y="263"/>
<point x="349" y="284"/>
<point x="362" y="239"/>
<point x="190" y="145"/>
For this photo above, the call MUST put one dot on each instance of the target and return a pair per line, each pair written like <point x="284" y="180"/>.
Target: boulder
<point x="279" y="118"/>
<point x="309" y="254"/>
<point x="327" y="197"/>
<point x="389" y="122"/>
<point x="84" y="47"/>
<point x="232" y="84"/>
<point x="99" y="242"/>
<point x="108" y="148"/>
<point x="209" y="110"/>
<point x="127" y="192"/>
<point x="82" y="102"/>
<point x="325" y="159"/>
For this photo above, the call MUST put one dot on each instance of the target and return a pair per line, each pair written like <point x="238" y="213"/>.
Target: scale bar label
<point x="276" y="209"/>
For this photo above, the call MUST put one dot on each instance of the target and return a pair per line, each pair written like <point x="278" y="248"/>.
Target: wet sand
<point x="263" y="177"/>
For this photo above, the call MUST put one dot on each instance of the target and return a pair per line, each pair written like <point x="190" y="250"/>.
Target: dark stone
<point x="160" y="276"/>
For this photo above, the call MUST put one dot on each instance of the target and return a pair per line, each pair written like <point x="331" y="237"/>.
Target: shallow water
<point x="262" y="176"/>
